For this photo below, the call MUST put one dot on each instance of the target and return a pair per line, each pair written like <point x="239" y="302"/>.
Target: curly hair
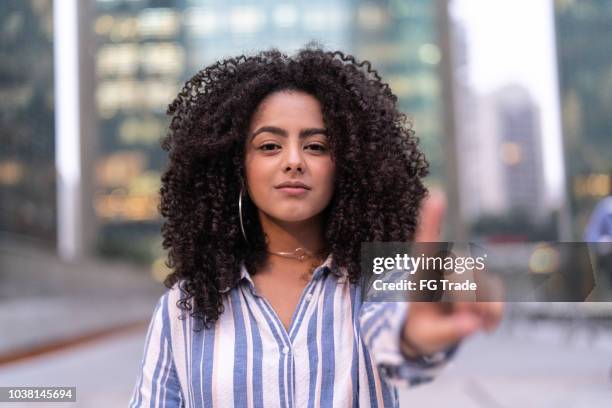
<point x="379" y="168"/>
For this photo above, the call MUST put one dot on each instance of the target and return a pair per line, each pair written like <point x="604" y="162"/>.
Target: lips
<point x="293" y="185"/>
<point x="293" y="188"/>
<point x="293" y="191"/>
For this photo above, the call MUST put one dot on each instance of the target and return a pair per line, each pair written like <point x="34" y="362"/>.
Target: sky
<point x="512" y="41"/>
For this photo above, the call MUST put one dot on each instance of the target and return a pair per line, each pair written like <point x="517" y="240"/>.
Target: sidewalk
<point x="104" y="372"/>
<point x="523" y="364"/>
<point x="44" y="301"/>
<point x="557" y="362"/>
<point x="517" y="366"/>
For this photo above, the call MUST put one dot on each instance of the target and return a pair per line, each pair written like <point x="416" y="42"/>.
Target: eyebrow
<point x="282" y="132"/>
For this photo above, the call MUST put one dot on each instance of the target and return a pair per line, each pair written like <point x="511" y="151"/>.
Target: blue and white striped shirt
<point x="338" y="352"/>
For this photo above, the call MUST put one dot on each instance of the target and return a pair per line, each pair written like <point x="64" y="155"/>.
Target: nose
<point x="294" y="161"/>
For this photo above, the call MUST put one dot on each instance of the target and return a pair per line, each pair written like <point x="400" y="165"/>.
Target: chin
<point x="294" y="215"/>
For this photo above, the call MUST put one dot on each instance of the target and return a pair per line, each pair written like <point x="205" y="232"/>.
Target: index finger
<point x="428" y="231"/>
<point x="431" y="216"/>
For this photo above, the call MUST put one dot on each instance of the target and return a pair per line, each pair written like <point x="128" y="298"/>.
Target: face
<point x="289" y="169"/>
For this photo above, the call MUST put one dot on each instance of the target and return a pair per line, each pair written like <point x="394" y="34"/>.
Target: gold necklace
<point x="298" y="253"/>
<point x="301" y="254"/>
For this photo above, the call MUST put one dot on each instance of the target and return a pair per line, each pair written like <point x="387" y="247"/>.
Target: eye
<point x="269" y="147"/>
<point x="317" y="147"/>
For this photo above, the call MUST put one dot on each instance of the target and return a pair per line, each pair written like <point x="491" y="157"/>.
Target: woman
<point x="279" y="169"/>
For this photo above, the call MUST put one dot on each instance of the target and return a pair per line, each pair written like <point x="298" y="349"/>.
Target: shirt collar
<point x="319" y="272"/>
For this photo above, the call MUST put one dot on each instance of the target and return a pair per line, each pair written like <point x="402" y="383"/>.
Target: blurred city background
<point x="511" y="100"/>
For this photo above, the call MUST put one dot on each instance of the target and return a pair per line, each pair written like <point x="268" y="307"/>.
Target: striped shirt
<point x="338" y="352"/>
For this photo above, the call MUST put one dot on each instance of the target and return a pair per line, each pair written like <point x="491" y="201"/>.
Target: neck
<point x="282" y="236"/>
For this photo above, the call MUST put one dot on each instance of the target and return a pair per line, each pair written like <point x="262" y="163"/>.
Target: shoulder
<point x="167" y="306"/>
<point x="177" y="313"/>
<point x="170" y="323"/>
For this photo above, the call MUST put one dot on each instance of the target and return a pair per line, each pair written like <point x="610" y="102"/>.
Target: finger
<point x="489" y="312"/>
<point x="455" y="327"/>
<point x="462" y="307"/>
<point x="431" y="216"/>
<point x="493" y="313"/>
<point x="432" y="330"/>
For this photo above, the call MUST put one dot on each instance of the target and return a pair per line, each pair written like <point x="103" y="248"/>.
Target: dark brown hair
<point x="379" y="167"/>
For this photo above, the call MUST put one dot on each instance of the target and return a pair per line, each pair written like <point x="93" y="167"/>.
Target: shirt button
<point x="285" y="350"/>
<point x="308" y="297"/>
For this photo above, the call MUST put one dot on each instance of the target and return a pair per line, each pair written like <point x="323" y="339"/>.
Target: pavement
<point x="529" y="361"/>
<point x="46" y="301"/>
<point x="104" y="372"/>
<point x="523" y="364"/>
<point x="80" y="323"/>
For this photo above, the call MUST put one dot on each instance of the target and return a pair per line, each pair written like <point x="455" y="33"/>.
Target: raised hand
<point x="434" y="326"/>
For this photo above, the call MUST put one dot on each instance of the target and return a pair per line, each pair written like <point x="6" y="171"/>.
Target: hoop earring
<point x="240" y="216"/>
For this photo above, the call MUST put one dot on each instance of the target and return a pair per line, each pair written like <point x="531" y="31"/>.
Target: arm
<point x="382" y="328"/>
<point x="158" y="383"/>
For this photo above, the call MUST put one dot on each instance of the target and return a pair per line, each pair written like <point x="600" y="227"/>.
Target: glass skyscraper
<point x="146" y="49"/>
<point x="134" y="57"/>
<point x="584" y="35"/>
<point x="27" y="157"/>
<point x="400" y="38"/>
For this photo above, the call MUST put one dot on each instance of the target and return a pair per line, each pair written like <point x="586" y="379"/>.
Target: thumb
<point x="454" y="327"/>
<point x="464" y="324"/>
